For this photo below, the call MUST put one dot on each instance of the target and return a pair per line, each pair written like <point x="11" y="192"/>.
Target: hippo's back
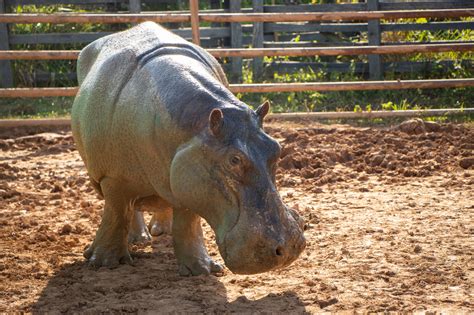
<point x="118" y="106"/>
<point x="141" y="42"/>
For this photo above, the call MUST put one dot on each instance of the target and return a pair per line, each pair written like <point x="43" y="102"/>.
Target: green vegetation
<point x="27" y="72"/>
<point x="50" y="107"/>
<point x="375" y="100"/>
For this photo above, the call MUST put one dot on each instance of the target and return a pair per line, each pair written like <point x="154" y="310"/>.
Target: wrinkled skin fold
<point x="155" y="123"/>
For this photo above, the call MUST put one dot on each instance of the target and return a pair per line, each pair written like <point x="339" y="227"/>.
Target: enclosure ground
<point x="389" y="215"/>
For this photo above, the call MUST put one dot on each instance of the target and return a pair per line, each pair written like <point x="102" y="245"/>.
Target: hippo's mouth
<point x="222" y="242"/>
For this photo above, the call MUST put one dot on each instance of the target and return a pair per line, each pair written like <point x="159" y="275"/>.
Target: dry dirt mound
<point x="318" y="156"/>
<point x="389" y="218"/>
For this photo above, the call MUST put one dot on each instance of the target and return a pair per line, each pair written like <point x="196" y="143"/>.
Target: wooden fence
<point x="271" y="20"/>
<point x="299" y="117"/>
<point x="312" y="26"/>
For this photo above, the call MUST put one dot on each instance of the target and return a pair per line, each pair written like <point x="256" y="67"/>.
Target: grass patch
<point x="47" y="107"/>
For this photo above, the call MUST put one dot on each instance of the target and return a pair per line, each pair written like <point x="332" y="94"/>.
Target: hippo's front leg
<point x="110" y="246"/>
<point x="189" y="248"/>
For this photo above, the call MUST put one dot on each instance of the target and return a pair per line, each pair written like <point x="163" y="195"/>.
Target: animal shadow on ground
<point x="151" y="284"/>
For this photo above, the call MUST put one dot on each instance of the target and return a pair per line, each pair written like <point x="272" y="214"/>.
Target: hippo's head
<point x="226" y="174"/>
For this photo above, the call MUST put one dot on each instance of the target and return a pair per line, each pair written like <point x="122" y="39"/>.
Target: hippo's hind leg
<point x="138" y="233"/>
<point x="110" y="246"/>
<point x="189" y="248"/>
<point x="161" y="222"/>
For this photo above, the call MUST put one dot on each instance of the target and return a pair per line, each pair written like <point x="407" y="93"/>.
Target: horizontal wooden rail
<point x="38" y="92"/>
<point x="448" y="4"/>
<point x="107" y="18"/>
<point x="340" y="51"/>
<point x="260" y="52"/>
<point x="11" y="123"/>
<point x="231" y="17"/>
<point x="369" y="115"/>
<point x="334" y="16"/>
<point x="351" y="86"/>
<point x="39" y="54"/>
<point x="275" y="87"/>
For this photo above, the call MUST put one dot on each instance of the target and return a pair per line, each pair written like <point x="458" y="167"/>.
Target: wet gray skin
<point x="155" y="123"/>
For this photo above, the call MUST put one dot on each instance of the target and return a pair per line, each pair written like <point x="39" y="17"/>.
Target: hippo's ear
<point x="263" y="110"/>
<point x="216" y="119"/>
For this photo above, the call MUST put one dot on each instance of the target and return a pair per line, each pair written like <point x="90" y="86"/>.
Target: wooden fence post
<point x="134" y="6"/>
<point x="373" y="27"/>
<point x="6" y="74"/>
<point x="194" y="8"/>
<point x="257" y="41"/>
<point x="236" y="42"/>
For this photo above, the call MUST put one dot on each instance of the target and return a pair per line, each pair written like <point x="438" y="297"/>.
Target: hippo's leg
<point x="189" y="248"/>
<point x="161" y="222"/>
<point x="138" y="233"/>
<point x="110" y="246"/>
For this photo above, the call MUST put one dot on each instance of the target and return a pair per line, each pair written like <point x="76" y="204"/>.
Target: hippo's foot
<point x="189" y="248"/>
<point x="110" y="247"/>
<point x="193" y="266"/>
<point x="138" y="233"/>
<point x="161" y="222"/>
<point x="99" y="256"/>
<point x="157" y="229"/>
<point x="143" y="237"/>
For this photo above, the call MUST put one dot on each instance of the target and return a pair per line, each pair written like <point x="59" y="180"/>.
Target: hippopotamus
<point x="155" y="124"/>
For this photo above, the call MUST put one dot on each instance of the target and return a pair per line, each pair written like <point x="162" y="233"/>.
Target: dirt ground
<point x="389" y="227"/>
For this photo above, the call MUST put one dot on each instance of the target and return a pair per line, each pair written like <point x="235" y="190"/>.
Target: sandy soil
<point x="389" y="218"/>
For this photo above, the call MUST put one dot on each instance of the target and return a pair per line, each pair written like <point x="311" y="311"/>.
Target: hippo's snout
<point x="267" y="245"/>
<point x="286" y="252"/>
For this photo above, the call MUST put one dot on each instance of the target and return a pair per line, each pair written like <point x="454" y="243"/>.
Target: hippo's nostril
<point x="279" y="251"/>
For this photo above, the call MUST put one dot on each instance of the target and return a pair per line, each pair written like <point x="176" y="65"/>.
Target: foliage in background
<point x="26" y="71"/>
<point x="63" y="70"/>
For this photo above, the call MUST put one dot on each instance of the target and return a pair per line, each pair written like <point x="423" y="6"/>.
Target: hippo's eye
<point x="235" y="160"/>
